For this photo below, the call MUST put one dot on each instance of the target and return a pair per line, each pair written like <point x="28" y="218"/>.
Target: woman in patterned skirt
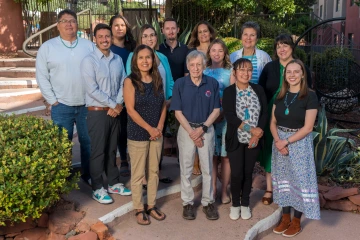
<point x="245" y="108"/>
<point x="293" y="168"/>
<point x="219" y="67"/>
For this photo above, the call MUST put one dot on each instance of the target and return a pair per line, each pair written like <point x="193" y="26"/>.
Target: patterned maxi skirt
<point x="294" y="177"/>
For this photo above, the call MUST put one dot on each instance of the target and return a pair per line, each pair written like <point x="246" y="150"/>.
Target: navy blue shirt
<point x="195" y="102"/>
<point x="122" y="52"/>
<point x="176" y="57"/>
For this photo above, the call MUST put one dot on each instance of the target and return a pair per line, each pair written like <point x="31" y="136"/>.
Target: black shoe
<point x="210" y="212"/>
<point x="188" y="212"/>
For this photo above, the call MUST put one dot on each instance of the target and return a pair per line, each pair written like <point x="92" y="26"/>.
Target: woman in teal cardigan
<point x="147" y="36"/>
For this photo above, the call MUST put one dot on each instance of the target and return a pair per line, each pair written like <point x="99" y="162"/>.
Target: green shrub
<point x="234" y="44"/>
<point x="35" y="162"/>
<point x="320" y="60"/>
<point x="332" y="153"/>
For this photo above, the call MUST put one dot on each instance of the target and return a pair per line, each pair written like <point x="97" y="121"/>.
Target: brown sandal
<point x="267" y="200"/>
<point x="149" y="212"/>
<point x="144" y="218"/>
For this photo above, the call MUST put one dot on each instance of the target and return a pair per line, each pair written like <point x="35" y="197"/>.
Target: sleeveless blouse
<point x="149" y="106"/>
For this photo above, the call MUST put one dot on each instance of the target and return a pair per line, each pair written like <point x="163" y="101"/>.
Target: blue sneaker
<point x="119" y="188"/>
<point x="102" y="196"/>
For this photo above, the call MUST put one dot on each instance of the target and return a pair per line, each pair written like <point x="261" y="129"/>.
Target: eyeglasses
<point x="244" y="70"/>
<point x="148" y="36"/>
<point x="64" y="21"/>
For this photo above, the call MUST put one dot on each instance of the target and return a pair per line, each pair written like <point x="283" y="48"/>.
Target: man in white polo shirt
<point x="58" y="76"/>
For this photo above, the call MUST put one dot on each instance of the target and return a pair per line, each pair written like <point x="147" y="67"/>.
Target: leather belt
<point x="98" y="108"/>
<point x="195" y="125"/>
<point x="284" y="129"/>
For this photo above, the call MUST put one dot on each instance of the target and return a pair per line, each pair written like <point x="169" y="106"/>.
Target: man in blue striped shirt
<point x="103" y="77"/>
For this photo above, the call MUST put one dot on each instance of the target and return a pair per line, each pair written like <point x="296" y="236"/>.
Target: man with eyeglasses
<point x="59" y="78"/>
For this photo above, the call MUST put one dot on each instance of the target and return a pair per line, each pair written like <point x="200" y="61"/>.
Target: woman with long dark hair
<point x="201" y="36"/>
<point x="145" y="102"/>
<point x="123" y="44"/>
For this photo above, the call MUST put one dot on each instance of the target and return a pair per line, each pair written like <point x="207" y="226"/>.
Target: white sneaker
<point x="102" y="196"/>
<point x="119" y="188"/>
<point x="234" y="213"/>
<point x="245" y="213"/>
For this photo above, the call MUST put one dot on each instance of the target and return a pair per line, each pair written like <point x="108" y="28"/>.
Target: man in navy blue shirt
<point x="196" y="103"/>
<point x="174" y="50"/>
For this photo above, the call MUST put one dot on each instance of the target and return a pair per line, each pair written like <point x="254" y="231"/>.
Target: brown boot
<point x="294" y="228"/>
<point x="284" y="224"/>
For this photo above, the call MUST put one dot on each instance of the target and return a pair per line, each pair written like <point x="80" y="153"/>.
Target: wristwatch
<point x="204" y="128"/>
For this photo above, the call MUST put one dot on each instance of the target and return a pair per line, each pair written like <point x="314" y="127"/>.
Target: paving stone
<point x="322" y="200"/>
<point x="324" y="189"/>
<point x="62" y="222"/>
<point x="342" y="205"/>
<point x="339" y="193"/>
<point x="43" y="221"/>
<point x="100" y="229"/>
<point x="55" y="236"/>
<point x="33" y="234"/>
<point x="85" y="236"/>
<point x="17" y="227"/>
<point x="355" y="199"/>
<point x="82" y="227"/>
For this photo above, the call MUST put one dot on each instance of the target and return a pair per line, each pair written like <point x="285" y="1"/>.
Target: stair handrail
<point x="24" y="46"/>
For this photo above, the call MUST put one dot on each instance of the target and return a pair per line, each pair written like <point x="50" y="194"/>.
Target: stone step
<point x="11" y="83"/>
<point x="18" y="62"/>
<point x="21" y="53"/>
<point x="18" y="95"/>
<point x="17" y="72"/>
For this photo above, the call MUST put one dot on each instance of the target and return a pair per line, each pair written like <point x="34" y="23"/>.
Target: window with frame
<point x="321" y="11"/>
<point x="352" y="2"/>
<point x="351" y="39"/>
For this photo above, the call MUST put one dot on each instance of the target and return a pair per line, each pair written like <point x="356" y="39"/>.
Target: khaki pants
<point x="144" y="157"/>
<point x="187" y="150"/>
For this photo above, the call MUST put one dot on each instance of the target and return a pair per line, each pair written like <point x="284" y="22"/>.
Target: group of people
<point x="233" y="109"/>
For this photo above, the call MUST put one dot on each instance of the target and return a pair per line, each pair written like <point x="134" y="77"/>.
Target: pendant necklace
<point x="246" y="111"/>
<point x="287" y="105"/>
<point x="71" y="48"/>
<point x="252" y="56"/>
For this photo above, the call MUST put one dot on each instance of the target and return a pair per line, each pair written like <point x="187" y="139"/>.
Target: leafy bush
<point x="35" y="161"/>
<point x="330" y="54"/>
<point x="332" y="153"/>
<point x="234" y="44"/>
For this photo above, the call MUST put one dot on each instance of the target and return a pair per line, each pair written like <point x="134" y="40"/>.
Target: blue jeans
<point x="65" y="117"/>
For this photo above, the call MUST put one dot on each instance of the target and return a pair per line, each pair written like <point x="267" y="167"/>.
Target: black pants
<point x="103" y="132"/>
<point x="122" y="140"/>
<point x="242" y="162"/>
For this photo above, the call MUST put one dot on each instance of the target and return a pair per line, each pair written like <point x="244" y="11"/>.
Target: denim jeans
<point x="65" y="117"/>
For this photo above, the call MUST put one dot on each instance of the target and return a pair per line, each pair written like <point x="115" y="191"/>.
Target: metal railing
<point x="39" y="34"/>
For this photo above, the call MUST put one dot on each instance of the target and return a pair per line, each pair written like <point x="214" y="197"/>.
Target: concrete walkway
<point x="334" y="225"/>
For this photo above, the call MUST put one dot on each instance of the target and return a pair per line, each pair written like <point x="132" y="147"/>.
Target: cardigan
<point x="169" y="82"/>
<point x="270" y="78"/>
<point x="233" y="122"/>
<point x="261" y="56"/>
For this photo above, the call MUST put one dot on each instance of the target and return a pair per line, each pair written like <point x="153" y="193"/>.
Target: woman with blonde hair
<point x="219" y="66"/>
